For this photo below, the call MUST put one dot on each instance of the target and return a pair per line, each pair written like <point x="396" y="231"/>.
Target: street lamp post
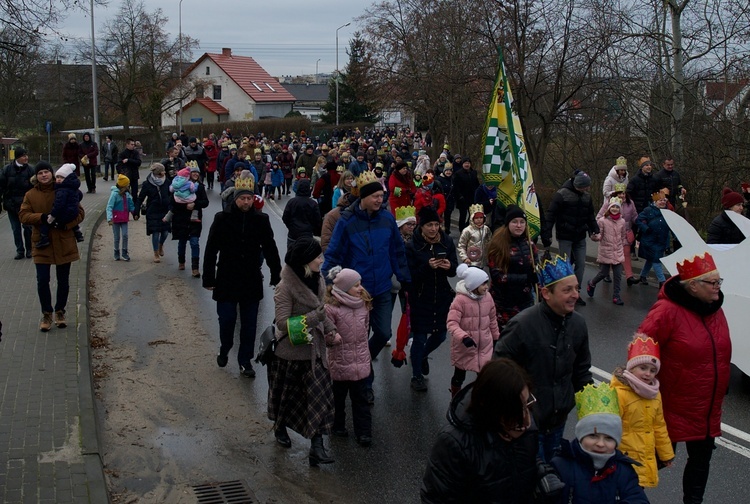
<point x="93" y="80"/>
<point x="180" y="66"/>
<point x="337" y="70"/>
<point x="316" y="70"/>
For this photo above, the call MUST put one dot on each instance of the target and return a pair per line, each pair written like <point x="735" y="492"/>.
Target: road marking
<point x="725" y="428"/>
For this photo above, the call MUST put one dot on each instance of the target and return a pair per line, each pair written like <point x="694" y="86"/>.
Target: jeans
<point x="380" y="323"/>
<point x="62" y="271"/>
<point x="120" y="229"/>
<point x="227" y="311"/>
<point x="550" y="443"/>
<point x="195" y="248"/>
<point x="158" y="238"/>
<point x="658" y="270"/>
<point x="109" y="167"/>
<point x="421" y="347"/>
<point x="361" y="416"/>
<point x="695" y="477"/>
<point x="21" y="232"/>
<point x="576" y="253"/>
<point x="616" y="276"/>
<point x="90" y="173"/>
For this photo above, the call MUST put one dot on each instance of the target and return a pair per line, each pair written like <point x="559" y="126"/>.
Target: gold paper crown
<point x="621" y="161"/>
<point x="245" y="184"/>
<point x="476" y="208"/>
<point x="192" y="164"/>
<point x="405" y="212"/>
<point x="615" y="201"/>
<point x="597" y="399"/>
<point x="365" y="178"/>
<point x="619" y="187"/>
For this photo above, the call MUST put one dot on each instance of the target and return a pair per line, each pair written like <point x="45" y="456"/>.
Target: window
<point x="208" y="70"/>
<point x="270" y="87"/>
<point x="200" y="92"/>
<point x="257" y="87"/>
<point x="217" y="92"/>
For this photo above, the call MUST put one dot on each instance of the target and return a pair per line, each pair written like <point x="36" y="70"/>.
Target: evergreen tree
<point x="356" y="103"/>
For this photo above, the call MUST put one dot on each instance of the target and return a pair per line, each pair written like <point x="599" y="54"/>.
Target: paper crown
<point x="643" y="346"/>
<point x="427" y="179"/>
<point x="365" y="178"/>
<point x="192" y="164"/>
<point x="244" y="184"/>
<point x="405" y="212"/>
<point x="619" y="188"/>
<point x="551" y="271"/>
<point x="597" y="399"/>
<point x="473" y="209"/>
<point x="621" y="162"/>
<point x="663" y="193"/>
<point x="699" y="266"/>
<point x="614" y="202"/>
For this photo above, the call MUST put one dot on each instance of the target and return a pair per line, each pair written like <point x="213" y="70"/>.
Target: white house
<point x="230" y="88"/>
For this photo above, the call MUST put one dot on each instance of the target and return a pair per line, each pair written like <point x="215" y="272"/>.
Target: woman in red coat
<point x="213" y="155"/>
<point x="689" y="324"/>
<point x="401" y="187"/>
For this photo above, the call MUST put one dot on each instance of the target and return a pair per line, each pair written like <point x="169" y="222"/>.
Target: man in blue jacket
<point x="367" y="240"/>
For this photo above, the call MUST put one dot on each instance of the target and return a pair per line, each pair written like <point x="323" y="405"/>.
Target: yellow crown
<point x="597" y="399"/>
<point x="405" y="212"/>
<point x="365" y="178"/>
<point x="621" y="161"/>
<point x="245" y="184"/>
<point x="476" y="208"/>
<point x="192" y="164"/>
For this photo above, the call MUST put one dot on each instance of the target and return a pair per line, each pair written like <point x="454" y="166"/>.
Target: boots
<point x="161" y="249"/>
<point x="282" y="437"/>
<point x="60" y="319"/>
<point x="181" y="262"/>
<point x="46" y="322"/>
<point x="318" y="453"/>
<point x="454" y="391"/>
<point x="195" y="264"/>
<point x="125" y="256"/>
<point x="117" y="255"/>
<point x="157" y="257"/>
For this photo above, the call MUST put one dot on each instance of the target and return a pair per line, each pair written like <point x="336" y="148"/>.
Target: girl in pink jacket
<point x="348" y="307"/>
<point x="611" y="249"/>
<point x="472" y="322"/>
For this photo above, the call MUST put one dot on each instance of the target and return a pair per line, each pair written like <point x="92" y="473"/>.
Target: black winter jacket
<point x="723" y="230"/>
<point x="467" y="464"/>
<point x="513" y="290"/>
<point x="571" y="213"/>
<point x="301" y="214"/>
<point x="15" y="181"/>
<point x="555" y="352"/>
<point x="430" y="294"/>
<point x="129" y="169"/>
<point x="465" y="184"/>
<point x="640" y="188"/>
<point x="67" y="198"/>
<point x="182" y="227"/>
<point x="238" y="238"/>
<point x="670" y="180"/>
<point x="157" y="200"/>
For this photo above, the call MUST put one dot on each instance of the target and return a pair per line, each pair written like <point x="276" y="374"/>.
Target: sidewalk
<point x="49" y="448"/>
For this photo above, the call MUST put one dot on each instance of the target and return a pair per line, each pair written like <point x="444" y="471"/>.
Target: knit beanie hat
<point x="513" y="212"/>
<point x="643" y="350"/>
<point x="581" y="181"/>
<point x="598" y="412"/>
<point x="473" y="277"/>
<point x="370" y="189"/>
<point x="20" y="152"/>
<point x="302" y="252"/>
<point x="344" y="278"/>
<point x="71" y="136"/>
<point x="428" y="214"/>
<point x="730" y="198"/>
<point x="184" y="173"/>
<point x="42" y="165"/>
<point x="122" y="181"/>
<point x="65" y="170"/>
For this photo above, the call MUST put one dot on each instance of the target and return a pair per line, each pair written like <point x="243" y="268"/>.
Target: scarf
<point x="615" y="216"/>
<point x="433" y="240"/>
<point x="347" y="299"/>
<point x="643" y="389"/>
<point x="600" y="460"/>
<point x="157" y="181"/>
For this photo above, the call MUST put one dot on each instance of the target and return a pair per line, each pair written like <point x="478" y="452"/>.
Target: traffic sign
<point x="196" y="119"/>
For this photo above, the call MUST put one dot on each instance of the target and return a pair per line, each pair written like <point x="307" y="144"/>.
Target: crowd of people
<point x="369" y="224"/>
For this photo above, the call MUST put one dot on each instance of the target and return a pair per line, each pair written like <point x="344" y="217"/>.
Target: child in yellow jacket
<point x="644" y="431"/>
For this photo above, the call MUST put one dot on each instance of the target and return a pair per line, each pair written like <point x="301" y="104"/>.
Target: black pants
<point x="109" y="170"/>
<point x="90" y="173"/>
<point x="459" y="376"/>
<point x="361" y="416"/>
<point x="695" y="477"/>
<point x="447" y="215"/>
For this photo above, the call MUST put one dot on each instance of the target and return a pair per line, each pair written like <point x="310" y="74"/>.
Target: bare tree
<point x="17" y="75"/>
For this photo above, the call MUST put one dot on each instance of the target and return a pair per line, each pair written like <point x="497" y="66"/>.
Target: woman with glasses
<point x="487" y="452"/>
<point x="688" y="323"/>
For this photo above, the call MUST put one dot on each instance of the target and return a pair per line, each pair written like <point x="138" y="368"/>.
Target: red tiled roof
<point x="249" y="75"/>
<point x="211" y="105"/>
<point x="724" y="91"/>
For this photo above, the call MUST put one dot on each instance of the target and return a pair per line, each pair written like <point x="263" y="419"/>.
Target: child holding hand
<point x="348" y="307"/>
<point x="613" y="239"/>
<point x="644" y="431"/>
<point x="472" y="322"/>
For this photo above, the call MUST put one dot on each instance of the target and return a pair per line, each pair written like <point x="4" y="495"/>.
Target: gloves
<point x="109" y="222"/>
<point x="50" y="219"/>
<point x="397" y="192"/>
<point x="548" y="483"/>
<point x="136" y="216"/>
<point x="468" y="342"/>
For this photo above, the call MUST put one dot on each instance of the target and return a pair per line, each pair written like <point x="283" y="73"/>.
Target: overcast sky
<point x="284" y="37"/>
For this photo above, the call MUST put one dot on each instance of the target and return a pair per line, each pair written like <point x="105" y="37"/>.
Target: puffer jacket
<point x="627" y="210"/>
<point x="371" y="245"/>
<point x="654" y="233"/>
<point x="430" y="294"/>
<point x="723" y="230"/>
<point x="301" y="214"/>
<point x="473" y="236"/>
<point x="695" y="360"/>
<point x="476" y="318"/>
<point x="182" y="225"/>
<point x="67" y="198"/>
<point x="468" y="464"/>
<point x="349" y="360"/>
<point x="644" y="431"/>
<point x="669" y="179"/>
<point x="571" y="213"/>
<point x="63" y="248"/>
<point x="613" y="240"/>
<point x="613" y="178"/>
<point x="15" y="181"/>
<point x="554" y="350"/>
<point x="293" y="298"/>
<point x="640" y="188"/>
<point x="615" y="482"/>
<point x="156" y="199"/>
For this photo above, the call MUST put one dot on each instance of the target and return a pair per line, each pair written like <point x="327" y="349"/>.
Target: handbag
<point x="267" y="347"/>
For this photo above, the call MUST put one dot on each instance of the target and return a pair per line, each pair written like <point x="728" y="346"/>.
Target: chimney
<point x="226" y="51"/>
